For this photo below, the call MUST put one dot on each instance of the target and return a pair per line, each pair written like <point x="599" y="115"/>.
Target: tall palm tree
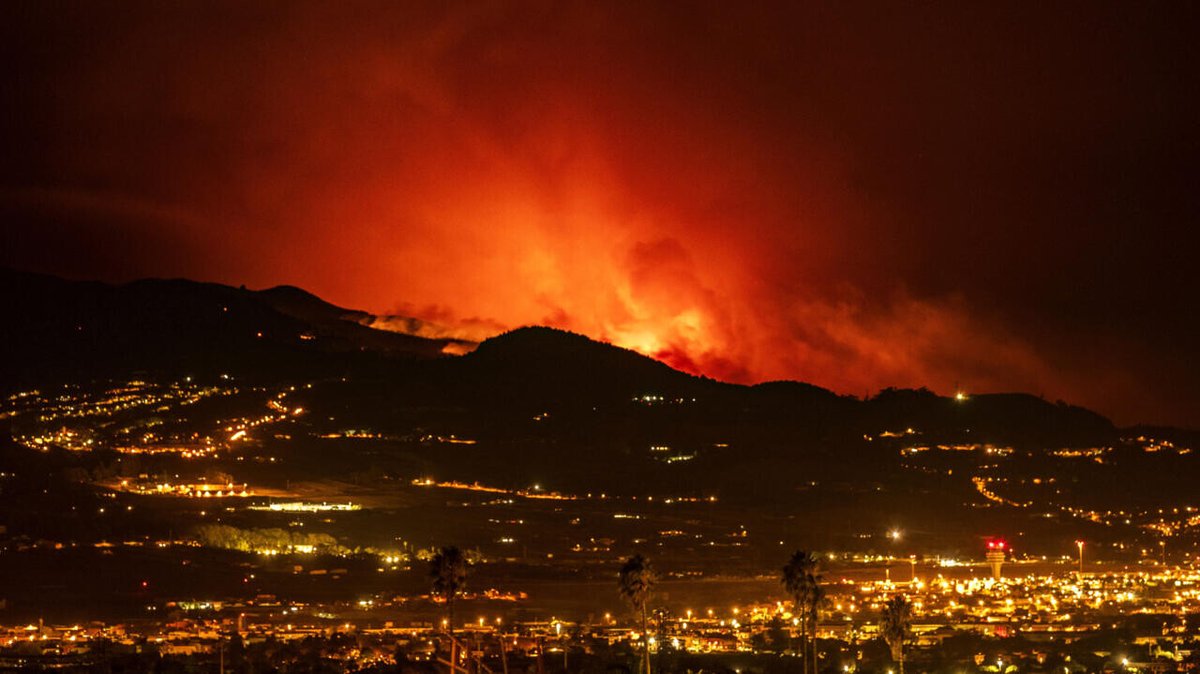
<point x="635" y="582"/>
<point x="801" y="582"/>
<point x="895" y="626"/>
<point x="448" y="572"/>
<point x="813" y="602"/>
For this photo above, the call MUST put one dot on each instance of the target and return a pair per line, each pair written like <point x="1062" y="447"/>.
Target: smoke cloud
<point x="862" y="198"/>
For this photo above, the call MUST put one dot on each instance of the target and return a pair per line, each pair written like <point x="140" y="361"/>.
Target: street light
<point x="894" y="535"/>
<point x="1080" y="544"/>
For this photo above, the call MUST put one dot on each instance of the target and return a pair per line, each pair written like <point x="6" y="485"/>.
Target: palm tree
<point x="895" y="625"/>
<point x="813" y="602"/>
<point x="801" y="582"/>
<point x="448" y="573"/>
<point x="635" y="583"/>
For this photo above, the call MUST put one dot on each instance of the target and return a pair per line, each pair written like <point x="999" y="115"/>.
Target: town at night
<point x="565" y="337"/>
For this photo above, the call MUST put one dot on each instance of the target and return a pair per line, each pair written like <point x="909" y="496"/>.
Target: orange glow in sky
<point x="856" y="198"/>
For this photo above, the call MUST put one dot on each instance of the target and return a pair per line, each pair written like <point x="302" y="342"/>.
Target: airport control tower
<point x="995" y="556"/>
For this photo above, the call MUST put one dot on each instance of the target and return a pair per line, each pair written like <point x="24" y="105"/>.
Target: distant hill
<point x="390" y="334"/>
<point x="544" y="366"/>
<point x="538" y="405"/>
<point x="998" y="417"/>
<point x="550" y="364"/>
<point x="54" y="328"/>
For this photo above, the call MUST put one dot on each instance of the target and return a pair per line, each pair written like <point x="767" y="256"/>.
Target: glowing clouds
<point x="744" y="193"/>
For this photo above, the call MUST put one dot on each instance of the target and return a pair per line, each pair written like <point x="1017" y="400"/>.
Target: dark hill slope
<point x="68" y="330"/>
<point x="542" y="368"/>
<point x="544" y="364"/>
<point x="1006" y="418"/>
<point x="349" y="327"/>
<point x="58" y="329"/>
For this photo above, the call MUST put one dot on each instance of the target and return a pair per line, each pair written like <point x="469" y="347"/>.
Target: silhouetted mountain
<point x="303" y="305"/>
<point x="55" y="328"/>
<point x="546" y="406"/>
<point x="58" y="330"/>
<point x="545" y="364"/>
<point x="354" y="327"/>
<point x="1010" y="418"/>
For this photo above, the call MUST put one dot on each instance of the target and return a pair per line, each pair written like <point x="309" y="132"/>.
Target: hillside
<point x="56" y="329"/>
<point x="538" y="405"/>
<point x="72" y="330"/>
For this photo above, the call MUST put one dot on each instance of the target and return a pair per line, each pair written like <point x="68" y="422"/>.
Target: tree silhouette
<point x="802" y="583"/>
<point x="812" y="610"/>
<point x="448" y="573"/>
<point x="895" y="625"/>
<point x="635" y="582"/>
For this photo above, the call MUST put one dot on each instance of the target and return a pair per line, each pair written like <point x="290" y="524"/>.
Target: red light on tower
<point x="995" y="555"/>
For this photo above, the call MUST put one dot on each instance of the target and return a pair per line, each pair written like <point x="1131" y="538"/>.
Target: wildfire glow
<point x="459" y="165"/>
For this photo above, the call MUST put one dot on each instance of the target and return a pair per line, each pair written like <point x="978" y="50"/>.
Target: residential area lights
<point x="1059" y="608"/>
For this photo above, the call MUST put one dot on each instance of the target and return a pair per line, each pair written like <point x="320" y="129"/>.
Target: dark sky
<point x="994" y="197"/>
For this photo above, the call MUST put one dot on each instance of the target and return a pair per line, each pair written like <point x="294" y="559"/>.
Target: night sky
<point x="854" y="194"/>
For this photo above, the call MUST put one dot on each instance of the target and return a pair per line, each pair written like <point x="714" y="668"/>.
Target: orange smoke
<point x="737" y="201"/>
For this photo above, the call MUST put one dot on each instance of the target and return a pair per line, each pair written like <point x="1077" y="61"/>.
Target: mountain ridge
<point x="178" y="324"/>
<point x="538" y="405"/>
